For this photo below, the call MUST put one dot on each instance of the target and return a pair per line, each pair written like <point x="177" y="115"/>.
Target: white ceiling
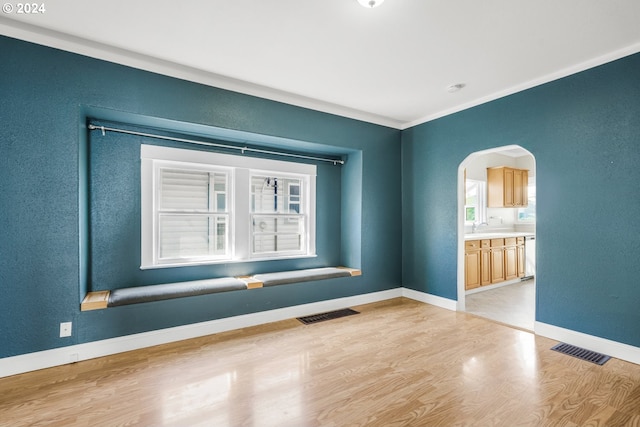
<point x="389" y="65"/>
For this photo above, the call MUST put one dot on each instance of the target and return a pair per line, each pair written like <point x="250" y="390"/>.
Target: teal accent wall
<point x="55" y="243"/>
<point x="584" y="131"/>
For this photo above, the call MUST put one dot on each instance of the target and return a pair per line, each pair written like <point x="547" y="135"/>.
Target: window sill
<point x="225" y="261"/>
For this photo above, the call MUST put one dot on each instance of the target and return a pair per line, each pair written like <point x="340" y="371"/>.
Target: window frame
<point x="239" y="169"/>
<point x="531" y="203"/>
<point x="481" y="209"/>
<point x="302" y="214"/>
<point x="160" y="212"/>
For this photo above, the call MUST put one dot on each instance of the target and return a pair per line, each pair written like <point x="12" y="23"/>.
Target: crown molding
<point x="574" y="69"/>
<point x="58" y="40"/>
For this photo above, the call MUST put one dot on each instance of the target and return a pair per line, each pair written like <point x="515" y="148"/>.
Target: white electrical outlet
<point x="65" y="329"/>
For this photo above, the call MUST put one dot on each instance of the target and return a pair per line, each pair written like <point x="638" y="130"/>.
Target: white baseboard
<point x="60" y="356"/>
<point x="601" y="345"/>
<point x="441" y="302"/>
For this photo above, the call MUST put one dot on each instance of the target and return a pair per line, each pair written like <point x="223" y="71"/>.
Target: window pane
<point x="192" y="236"/>
<point x="221" y="202"/>
<point x="475" y="206"/>
<point x="276" y="243"/>
<point x="221" y="235"/>
<point x="219" y="182"/>
<point x="294" y="197"/>
<point x="220" y="191"/>
<point x="472" y="193"/>
<point x="275" y="194"/>
<point x="184" y="190"/>
<point x="282" y="233"/>
<point x="528" y="214"/>
<point x="470" y="214"/>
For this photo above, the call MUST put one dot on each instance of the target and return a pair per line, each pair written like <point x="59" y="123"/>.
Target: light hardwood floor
<point x="398" y="363"/>
<point x="513" y="304"/>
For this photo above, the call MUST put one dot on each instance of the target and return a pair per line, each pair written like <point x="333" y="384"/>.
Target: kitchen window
<point x="204" y="208"/>
<point x="475" y="205"/>
<point x="528" y="214"/>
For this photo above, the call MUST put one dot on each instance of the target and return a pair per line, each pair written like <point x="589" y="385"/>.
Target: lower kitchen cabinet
<point x="497" y="260"/>
<point x="485" y="262"/>
<point x="493" y="261"/>
<point x="521" y="260"/>
<point x="472" y="268"/>
<point x="510" y="259"/>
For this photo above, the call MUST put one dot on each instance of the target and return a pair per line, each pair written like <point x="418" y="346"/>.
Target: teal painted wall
<point x="49" y="196"/>
<point x="584" y="131"/>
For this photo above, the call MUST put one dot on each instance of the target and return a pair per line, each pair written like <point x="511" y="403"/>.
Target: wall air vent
<point x="315" y="318"/>
<point x="581" y="353"/>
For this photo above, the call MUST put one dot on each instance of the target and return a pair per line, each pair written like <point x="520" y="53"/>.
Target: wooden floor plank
<point x="398" y="363"/>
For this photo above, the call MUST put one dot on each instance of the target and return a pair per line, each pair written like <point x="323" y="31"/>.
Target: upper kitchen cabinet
<point x="507" y="187"/>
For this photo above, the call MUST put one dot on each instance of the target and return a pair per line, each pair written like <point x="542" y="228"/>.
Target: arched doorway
<point x="497" y="300"/>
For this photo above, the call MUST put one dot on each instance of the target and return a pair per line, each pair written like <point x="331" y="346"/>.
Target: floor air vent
<point x="581" y="353"/>
<point x="315" y="318"/>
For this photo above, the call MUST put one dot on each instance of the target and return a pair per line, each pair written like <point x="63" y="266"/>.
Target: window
<point x="202" y="208"/>
<point x="474" y="205"/>
<point x="192" y="215"/>
<point x="278" y="222"/>
<point x="528" y="214"/>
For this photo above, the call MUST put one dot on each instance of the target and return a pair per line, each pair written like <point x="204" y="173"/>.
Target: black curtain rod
<point x="105" y="129"/>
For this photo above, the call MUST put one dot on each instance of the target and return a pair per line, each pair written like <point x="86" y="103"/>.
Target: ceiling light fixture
<point x="456" y="87"/>
<point x="370" y="3"/>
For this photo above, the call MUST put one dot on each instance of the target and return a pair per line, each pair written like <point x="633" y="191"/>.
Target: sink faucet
<point x="475" y="225"/>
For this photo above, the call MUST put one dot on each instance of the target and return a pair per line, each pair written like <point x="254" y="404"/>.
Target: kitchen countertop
<point x="496" y="235"/>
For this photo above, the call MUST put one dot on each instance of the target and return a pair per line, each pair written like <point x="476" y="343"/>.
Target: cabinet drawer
<point x="497" y="242"/>
<point x="471" y="245"/>
<point x="520" y="240"/>
<point x="510" y="241"/>
<point x="485" y="244"/>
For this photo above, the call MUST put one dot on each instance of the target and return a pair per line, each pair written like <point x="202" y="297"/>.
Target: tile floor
<point x="511" y="304"/>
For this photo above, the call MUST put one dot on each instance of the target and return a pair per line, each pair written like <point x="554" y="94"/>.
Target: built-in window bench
<point x="102" y="299"/>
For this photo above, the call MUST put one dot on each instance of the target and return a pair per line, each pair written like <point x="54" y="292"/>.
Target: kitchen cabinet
<point x="485" y="262"/>
<point x="510" y="259"/>
<point x="472" y="264"/>
<point x="507" y="187"/>
<point x="497" y="260"/>
<point x="490" y="261"/>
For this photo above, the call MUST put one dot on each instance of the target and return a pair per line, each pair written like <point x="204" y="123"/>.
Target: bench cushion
<point x="286" y="277"/>
<point x="149" y="293"/>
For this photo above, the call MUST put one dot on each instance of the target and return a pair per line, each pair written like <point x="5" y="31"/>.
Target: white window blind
<point x="192" y="216"/>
